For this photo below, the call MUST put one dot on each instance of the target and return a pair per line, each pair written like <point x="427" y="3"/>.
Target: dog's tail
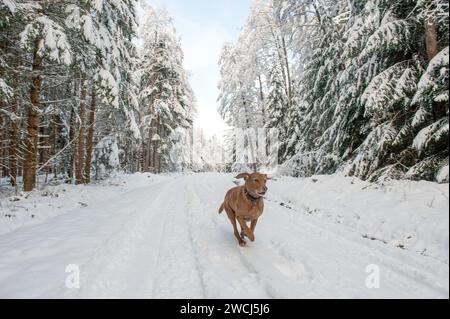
<point x="221" y="208"/>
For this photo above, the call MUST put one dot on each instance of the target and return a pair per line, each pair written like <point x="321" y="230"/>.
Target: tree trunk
<point x="90" y="137"/>
<point x="30" y="162"/>
<point x="283" y="60"/>
<point x="45" y="149"/>
<point x="261" y="99"/>
<point x="137" y="160"/>
<point x="13" y="132"/>
<point x="288" y="71"/>
<point x="249" y="140"/>
<point x="431" y="41"/>
<point x="155" y="150"/>
<point x="70" y="169"/>
<point x="432" y="47"/>
<point x="3" y="166"/>
<point x="3" y="159"/>
<point x="155" y="156"/>
<point x="159" y="165"/>
<point x="147" y="152"/>
<point x="54" y="141"/>
<point x="80" y="153"/>
<point x="13" y="145"/>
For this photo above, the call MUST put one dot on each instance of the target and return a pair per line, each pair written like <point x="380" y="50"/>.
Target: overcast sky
<point x="204" y="26"/>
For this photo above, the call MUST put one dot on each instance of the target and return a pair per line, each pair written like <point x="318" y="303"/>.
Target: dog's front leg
<point x="232" y="218"/>
<point x="247" y="231"/>
<point x="253" y="225"/>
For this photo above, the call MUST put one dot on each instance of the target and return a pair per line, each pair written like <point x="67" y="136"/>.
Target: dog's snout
<point x="263" y="190"/>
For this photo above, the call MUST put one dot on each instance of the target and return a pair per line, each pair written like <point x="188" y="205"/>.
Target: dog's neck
<point x="250" y="197"/>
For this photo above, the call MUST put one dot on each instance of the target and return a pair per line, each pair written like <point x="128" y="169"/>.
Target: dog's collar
<point x="250" y="197"/>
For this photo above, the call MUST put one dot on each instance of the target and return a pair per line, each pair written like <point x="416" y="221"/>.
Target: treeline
<point x="358" y="86"/>
<point x="80" y="96"/>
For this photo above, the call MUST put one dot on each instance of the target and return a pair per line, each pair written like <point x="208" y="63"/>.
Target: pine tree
<point x="365" y="84"/>
<point x="45" y="38"/>
<point x="83" y="59"/>
<point x="166" y="98"/>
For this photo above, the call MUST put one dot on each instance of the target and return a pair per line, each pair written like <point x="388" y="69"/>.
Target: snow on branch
<point x="392" y="33"/>
<point x="435" y="79"/>
<point x="430" y="134"/>
<point x="54" y="40"/>
<point x="389" y="87"/>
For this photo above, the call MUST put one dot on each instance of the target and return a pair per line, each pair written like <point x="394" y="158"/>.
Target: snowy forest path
<point x="166" y="240"/>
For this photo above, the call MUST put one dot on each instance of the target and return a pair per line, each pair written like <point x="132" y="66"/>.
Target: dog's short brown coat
<point x="245" y="204"/>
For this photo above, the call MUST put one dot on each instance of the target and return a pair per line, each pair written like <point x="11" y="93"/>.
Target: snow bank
<point x="39" y="205"/>
<point x="407" y="214"/>
<point x="442" y="175"/>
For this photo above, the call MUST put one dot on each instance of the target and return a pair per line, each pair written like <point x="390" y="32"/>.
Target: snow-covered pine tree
<point x="277" y="108"/>
<point x="90" y="40"/>
<point x="115" y="83"/>
<point x="10" y="80"/>
<point x="166" y="98"/>
<point x="366" y="84"/>
<point x="393" y="148"/>
<point x="44" y="37"/>
<point x="105" y="53"/>
<point x="316" y="31"/>
<point x="259" y="56"/>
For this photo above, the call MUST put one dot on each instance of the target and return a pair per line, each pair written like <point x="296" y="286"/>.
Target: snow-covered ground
<point x="153" y="236"/>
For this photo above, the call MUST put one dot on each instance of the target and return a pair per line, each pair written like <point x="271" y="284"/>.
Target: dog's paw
<point x="242" y="243"/>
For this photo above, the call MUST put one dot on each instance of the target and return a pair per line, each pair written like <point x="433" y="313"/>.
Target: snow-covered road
<point x="165" y="239"/>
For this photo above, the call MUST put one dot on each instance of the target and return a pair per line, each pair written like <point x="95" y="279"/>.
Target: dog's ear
<point x="245" y="176"/>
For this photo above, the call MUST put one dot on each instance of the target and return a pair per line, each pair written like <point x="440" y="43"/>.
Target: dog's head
<point x="255" y="183"/>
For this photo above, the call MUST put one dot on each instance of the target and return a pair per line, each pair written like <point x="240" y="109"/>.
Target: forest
<point x="358" y="86"/>
<point x="80" y="97"/>
<point x="352" y="86"/>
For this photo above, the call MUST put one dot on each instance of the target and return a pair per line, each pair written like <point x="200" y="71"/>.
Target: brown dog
<point x="245" y="204"/>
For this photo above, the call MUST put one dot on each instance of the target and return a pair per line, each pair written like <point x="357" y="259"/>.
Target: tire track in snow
<point x="106" y="220"/>
<point x="223" y="273"/>
<point x="281" y="275"/>
<point x="268" y="289"/>
<point x="123" y="267"/>
<point x="178" y="272"/>
<point x="355" y="255"/>
<point x="377" y="253"/>
<point x="277" y="273"/>
<point x="325" y="262"/>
